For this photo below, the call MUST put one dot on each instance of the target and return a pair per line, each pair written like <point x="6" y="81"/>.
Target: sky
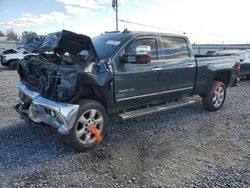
<point x="203" y="21"/>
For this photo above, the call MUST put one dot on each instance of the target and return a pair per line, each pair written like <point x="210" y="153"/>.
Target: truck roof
<point x="139" y="33"/>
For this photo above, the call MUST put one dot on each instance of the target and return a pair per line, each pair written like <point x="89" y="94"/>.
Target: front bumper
<point x="41" y="110"/>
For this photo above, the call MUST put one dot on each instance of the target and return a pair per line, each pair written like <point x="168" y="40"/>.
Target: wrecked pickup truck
<point x="74" y="82"/>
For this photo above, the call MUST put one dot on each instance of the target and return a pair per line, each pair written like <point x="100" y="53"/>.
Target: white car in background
<point x="11" y="57"/>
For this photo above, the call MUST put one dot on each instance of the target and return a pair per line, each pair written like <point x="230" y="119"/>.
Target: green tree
<point x="26" y="34"/>
<point x="1" y="34"/>
<point x="11" y="35"/>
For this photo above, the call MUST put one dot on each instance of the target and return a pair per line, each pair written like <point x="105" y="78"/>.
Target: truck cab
<point x="170" y="72"/>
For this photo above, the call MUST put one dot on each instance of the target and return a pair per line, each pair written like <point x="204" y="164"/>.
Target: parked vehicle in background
<point x="9" y="51"/>
<point x="124" y="73"/>
<point x="11" y="57"/>
<point x="244" y="56"/>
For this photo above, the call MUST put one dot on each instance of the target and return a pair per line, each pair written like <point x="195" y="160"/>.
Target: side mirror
<point x="140" y="57"/>
<point x="136" y="58"/>
<point x="143" y="49"/>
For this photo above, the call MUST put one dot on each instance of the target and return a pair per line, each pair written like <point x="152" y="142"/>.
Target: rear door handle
<point x="191" y="65"/>
<point x="156" y="69"/>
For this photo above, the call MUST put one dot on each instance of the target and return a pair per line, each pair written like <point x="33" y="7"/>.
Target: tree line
<point x="12" y="35"/>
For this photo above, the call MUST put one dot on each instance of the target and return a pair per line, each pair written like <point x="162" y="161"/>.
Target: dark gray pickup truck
<point x="74" y="83"/>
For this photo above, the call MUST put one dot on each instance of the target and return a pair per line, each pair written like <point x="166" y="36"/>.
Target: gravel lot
<point x="187" y="147"/>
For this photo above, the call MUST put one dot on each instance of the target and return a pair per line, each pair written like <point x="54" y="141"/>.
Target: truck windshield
<point x="105" y="45"/>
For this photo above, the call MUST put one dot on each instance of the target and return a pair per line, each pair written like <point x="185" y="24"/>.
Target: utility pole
<point x="116" y="13"/>
<point x="115" y="6"/>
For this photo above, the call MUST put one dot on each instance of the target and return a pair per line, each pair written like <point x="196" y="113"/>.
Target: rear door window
<point x="172" y="48"/>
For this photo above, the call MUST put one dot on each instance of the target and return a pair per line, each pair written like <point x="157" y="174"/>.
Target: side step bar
<point x="153" y="109"/>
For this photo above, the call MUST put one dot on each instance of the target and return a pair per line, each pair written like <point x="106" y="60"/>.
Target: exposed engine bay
<point x="65" y="69"/>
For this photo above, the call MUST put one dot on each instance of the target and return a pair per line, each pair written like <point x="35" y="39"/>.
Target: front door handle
<point x="156" y="69"/>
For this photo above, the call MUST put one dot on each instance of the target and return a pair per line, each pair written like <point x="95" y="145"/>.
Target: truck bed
<point x="209" y="65"/>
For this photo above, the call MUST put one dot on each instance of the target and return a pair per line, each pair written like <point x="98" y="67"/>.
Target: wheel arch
<point x="223" y="76"/>
<point x="92" y="92"/>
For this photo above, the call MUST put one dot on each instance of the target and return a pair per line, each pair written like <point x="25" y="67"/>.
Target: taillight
<point x="238" y="67"/>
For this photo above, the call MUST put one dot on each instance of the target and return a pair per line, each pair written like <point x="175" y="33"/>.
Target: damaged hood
<point x="59" y="42"/>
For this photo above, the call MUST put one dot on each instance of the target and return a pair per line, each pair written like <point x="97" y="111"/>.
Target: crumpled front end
<point x="65" y="70"/>
<point x="41" y="110"/>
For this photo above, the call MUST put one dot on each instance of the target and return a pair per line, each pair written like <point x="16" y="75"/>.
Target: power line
<point x="105" y="14"/>
<point x="149" y="2"/>
<point x="145" y="25"/>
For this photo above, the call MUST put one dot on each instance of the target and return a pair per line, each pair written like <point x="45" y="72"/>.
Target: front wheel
<point x="89" y="128"/>
<point x="215" y="97"/>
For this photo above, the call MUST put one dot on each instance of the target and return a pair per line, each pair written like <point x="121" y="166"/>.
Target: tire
<point x="248" y="77"/>
<point x="215" y="97"/>
<point x="13" y="64"/>
<point x="80" y="138"/>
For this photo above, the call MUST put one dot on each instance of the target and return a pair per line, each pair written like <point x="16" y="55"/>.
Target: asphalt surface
<point x="186" y="147"/>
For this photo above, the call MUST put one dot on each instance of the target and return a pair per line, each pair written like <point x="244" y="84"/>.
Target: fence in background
<point x="8" y="44"/>
<point x="202" y="49"/>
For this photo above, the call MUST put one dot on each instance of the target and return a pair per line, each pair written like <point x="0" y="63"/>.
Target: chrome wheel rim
<point x="219" y="95"/>
<point x="87" y="119"/>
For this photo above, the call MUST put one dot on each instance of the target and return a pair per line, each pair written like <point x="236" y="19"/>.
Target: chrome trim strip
<point x="152" y="94"/>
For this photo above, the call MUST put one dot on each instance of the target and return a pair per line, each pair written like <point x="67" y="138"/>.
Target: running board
<point x="153" y="109"/>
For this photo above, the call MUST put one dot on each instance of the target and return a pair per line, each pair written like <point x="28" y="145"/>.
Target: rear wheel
<point x="13" y="64"/>
<point x="215" y="97"/>
<point x="89" y="128"/>
<point x="248" y="77"/>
